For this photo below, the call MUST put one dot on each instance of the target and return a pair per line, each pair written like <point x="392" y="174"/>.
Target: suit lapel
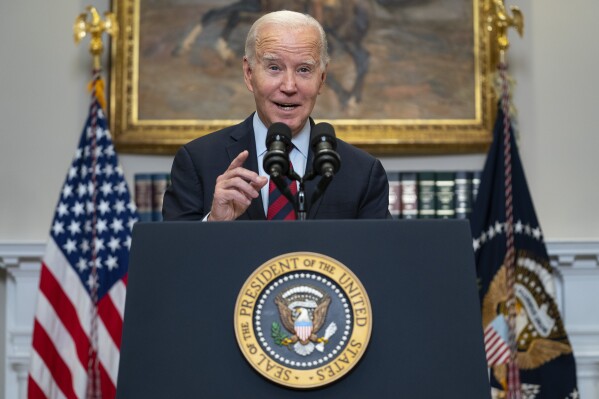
<point x="243" y="139"/>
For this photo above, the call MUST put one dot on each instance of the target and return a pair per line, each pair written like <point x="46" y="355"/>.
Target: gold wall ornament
<point x="498" y="23"/>
<point x="95" y="28"/>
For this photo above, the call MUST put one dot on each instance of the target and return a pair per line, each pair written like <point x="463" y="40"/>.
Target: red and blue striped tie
<point x="279" y="207"/>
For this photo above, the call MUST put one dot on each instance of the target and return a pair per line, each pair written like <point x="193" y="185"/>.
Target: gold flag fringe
<point x="98" y="86"/>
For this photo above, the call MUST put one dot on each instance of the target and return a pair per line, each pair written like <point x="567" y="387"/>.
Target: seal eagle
<point x="300" y="322"/>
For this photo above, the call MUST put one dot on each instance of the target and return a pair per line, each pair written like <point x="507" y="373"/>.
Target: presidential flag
<point x="79" y="315"/>
<point x="521" y="320"/>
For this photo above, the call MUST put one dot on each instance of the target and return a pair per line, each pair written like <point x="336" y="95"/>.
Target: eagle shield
<point x="303" y="310"/>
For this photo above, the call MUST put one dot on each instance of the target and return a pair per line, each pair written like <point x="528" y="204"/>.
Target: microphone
<point x="278" y="145"/>
<point x="326" y="160"/>
<point x="324" y="143"/>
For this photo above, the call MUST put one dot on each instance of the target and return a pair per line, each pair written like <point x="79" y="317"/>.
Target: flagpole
<point x="499" y="21"/>
<point x="514" y="391"/>
<point x="95" y="27"/>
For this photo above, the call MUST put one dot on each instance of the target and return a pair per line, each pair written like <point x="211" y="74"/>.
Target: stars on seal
<point x="498" y="229"/>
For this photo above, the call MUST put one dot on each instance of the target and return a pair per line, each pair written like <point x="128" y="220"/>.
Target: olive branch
<point x="277" y="334"/>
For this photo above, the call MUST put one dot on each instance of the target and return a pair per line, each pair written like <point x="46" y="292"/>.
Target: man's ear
<point x="323" y="78"/>
<point x="247" y="74"/>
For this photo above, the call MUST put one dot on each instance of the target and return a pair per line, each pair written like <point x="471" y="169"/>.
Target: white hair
<point x="287" y="19"/>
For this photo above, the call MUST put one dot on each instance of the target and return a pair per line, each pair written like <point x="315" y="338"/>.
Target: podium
<point x="184" y="279"/>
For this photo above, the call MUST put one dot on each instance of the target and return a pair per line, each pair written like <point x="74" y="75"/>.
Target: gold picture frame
<point x="459" y="119"/>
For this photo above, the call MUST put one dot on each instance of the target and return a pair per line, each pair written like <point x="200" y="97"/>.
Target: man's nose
<point x="288" y="85"/>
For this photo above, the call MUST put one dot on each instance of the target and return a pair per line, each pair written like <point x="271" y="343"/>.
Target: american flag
<point x="79" y="315"/>
<point x="497" y="342"/>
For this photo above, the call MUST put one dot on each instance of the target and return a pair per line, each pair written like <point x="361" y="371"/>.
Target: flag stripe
<point x="108" y="352"/>
<point x="501" y="357"/>
<point x="108" y="386"/>
<point x="48" y="320"/>
<point x="496" y="350"/>
<point x="33" y="390"/>
<point x="497" y="347"/>
<point x="65" y="276"/>
<point x="492" y="339"/>
<point x="117" y="294"/>
<point x="491" y="350"/>
<point x="111" y="318"/>
<point x="67" y="313"/>
<point x="42" y="377"/>
<point x="44" y="346"/>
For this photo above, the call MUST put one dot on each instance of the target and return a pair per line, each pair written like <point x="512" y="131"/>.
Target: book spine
<point x="409" y="195"/>
<point x="394" y="194"/>
<point x="463" y="194"/>
<point x="426" y="195"/>
<point x="444" y="186"/>
<point x="143" y="196"/>
<point x="160" y="182"/>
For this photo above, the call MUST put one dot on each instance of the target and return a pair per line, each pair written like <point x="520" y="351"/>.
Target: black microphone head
<point x="278" y="131"/>
<point x="278" y="145"/>
<point x="323" y="132"/>
<point x="324" y="143"/>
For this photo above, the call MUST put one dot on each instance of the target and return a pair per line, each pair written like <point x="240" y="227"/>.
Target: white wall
<point x="43" y="104"/>
<point x="557" y="98"/>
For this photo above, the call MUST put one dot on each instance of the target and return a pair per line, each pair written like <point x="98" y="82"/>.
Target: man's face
<point x="286" y="77"/>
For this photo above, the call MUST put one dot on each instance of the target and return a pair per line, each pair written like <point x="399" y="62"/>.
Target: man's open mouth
<point x="286" y="107"/>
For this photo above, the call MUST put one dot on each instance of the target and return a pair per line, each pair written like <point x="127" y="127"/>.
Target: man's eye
<point x="273" y="68"/>
<point x="304" y="70"/>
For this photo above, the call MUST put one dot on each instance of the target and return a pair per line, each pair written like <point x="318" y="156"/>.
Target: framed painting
<point x="406" y="76"/>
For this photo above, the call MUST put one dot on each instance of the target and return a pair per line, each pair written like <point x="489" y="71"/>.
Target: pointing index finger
<point x="239" y="160"/>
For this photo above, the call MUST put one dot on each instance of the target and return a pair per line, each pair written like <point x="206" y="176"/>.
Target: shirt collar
<point x="301" y="141"/>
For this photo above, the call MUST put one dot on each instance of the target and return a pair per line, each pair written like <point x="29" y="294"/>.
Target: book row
<point x="149" y="191"/>
<point x="424" y="194"/>
<point x="432" y="194"/>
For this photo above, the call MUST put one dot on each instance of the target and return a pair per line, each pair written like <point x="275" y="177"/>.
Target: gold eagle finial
<point x="498" y="23"/>
<point x="94" y="28"/>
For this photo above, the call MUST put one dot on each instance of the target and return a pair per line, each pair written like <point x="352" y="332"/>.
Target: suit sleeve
<point x="183" y="200"/>
<point x="375" y="202"/>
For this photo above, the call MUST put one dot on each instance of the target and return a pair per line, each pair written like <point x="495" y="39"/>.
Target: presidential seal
<point x="303" y="320"/>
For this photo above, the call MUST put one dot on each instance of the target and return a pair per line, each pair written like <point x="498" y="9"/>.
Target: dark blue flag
<point x="543" y="352"/>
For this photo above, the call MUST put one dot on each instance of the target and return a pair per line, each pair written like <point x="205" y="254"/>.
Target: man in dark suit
<point x="220" y="176"/>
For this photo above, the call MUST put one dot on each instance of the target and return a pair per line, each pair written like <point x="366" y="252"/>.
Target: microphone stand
<point x="299" y="203"/>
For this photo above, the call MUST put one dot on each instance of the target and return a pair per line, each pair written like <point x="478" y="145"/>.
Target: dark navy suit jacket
<point x="359" y="190"/>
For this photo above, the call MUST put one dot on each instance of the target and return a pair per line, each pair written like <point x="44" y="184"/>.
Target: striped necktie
<point x="279" y="207"/>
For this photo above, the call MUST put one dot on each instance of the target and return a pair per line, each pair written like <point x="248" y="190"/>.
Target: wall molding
<point x="13" y="253"/>
<point x="574" y="254"/>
